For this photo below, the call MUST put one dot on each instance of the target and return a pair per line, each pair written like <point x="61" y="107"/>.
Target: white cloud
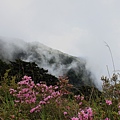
<point x="66" y="41"/>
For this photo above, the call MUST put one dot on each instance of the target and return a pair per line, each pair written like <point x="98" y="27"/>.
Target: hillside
<point x="56" y="62"/>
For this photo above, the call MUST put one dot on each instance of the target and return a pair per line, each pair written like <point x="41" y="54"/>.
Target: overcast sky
<point x="76" y="27"/>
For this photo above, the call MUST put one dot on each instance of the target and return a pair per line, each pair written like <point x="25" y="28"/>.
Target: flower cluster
<point x="108" y="102"/>
<point x="25" y="91"/>
<point x="47" y="93"/>
<point x="85" y="114"/>
<point x="79" y="99"/>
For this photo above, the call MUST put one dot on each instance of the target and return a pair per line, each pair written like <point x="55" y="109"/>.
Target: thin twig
<point x="108" y="71"/>
<point x="111" y="56"/>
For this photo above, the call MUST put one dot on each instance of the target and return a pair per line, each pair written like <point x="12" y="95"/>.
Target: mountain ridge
<point x="57" y="63"/>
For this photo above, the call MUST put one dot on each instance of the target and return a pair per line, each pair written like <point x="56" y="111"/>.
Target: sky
<point x="76" y="27"/>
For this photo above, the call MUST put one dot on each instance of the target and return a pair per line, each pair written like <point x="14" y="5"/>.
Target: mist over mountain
<point x="56" y="62"/>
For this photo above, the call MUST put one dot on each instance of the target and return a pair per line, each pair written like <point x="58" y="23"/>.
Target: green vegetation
<point x="44" y="97"/>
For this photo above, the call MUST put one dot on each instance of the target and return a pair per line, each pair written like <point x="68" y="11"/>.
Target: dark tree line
<point x="20" y="68"/>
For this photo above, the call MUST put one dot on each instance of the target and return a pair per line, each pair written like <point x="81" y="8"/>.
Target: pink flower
<point x="42" y="102"/>
<point x="74" y="118"/>
<point x="119" y="112"/>
<point x="12" y="91"/>
<point x="32" y="110"/>
<point x="107" y="119"/>
<point x="56" y="87"/>
<point x="47" y="98"/>
<point x="80" y="103"/>
<point x="109" y="102"/>
<point x="77" y="97"/>
<point x="65" y="113"/>
<point x="82" y="97"/>
<point x="17" y="101"/>
<point x="38" y="84"/>
<point x="12" y="116"/>
<point x="86" y="114"/>
<point x="36" y="109"/>
<point x="90" y="112"/>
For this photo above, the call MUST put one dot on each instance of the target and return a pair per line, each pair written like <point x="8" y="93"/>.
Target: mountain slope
<point x="56" y="62"/>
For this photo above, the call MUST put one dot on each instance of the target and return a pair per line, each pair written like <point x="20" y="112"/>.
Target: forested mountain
<point x="34" y="58"/>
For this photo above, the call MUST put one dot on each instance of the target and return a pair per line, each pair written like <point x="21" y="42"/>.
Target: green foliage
<point x="3" y="67"/>
<point x="6" y="100"/>
<point x="105" y="103"/>
<point x="89" y="92"/>
<point x="67" y="103"/>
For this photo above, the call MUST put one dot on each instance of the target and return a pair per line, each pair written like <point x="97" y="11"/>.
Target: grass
<point x="29" y="101"/>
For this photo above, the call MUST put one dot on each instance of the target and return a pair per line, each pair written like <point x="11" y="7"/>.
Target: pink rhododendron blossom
<point x="42" y="102"/>
<point x="77" y="97"/>
<point x="12" y="91"/>
<point x="89" y="111"/>
<point x="85" y="114"/>
<point x="119" y="112"/>
<point x="107" y="119"/>
<point x="25" y="92"/>
<point x="82" y="97"/>
<point x="119" y="106"/>
<point x="35" y="109"/>
<point x="32" y="110"/>
<point x="65" y="113"/>
<point x="80" y="103"/>
<point x="74" y="118"/>
<point x="109" y="102"/>
<point x="56" y="87"/>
